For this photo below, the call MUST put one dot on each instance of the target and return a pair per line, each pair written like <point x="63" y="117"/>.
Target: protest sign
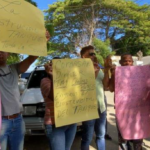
<point x="132" y="101"/>
<point x="22" y="28"/>
<point x="74" y="91"/>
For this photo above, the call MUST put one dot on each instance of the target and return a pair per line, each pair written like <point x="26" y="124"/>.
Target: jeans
<point x="12" y="134"/>
<point x="60" y="138"/>
<point x="97" y="125"/>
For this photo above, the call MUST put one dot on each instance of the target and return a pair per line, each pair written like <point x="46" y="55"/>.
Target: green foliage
<point x="50" y="28"/>
<point x="14" y="58"/>
<point x="123" y="22"/>
<point x="132" y="45"/>
<point x="54" y="49"/>
<point x="102" y="49"/>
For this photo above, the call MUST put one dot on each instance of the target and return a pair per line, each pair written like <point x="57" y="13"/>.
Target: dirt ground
<point x="40" y="142"/>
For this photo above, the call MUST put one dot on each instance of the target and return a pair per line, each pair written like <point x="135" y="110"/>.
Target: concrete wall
<point x="145" y="60"/>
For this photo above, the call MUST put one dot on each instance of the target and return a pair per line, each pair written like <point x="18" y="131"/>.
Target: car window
<point x="36" y="78"/>
<point x="25" y="75"/>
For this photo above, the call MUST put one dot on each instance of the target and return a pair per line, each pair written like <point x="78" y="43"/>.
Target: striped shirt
<point x="47" y="92"/>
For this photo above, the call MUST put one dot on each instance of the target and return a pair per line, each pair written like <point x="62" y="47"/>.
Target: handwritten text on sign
<point x="132" y="97"/>
<point x="22" y="28"/>
<point x="74" y="91"/>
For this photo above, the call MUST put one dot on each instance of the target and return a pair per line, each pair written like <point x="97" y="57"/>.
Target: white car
<point x="33" y="103"/>
<point x="23" y="81"/>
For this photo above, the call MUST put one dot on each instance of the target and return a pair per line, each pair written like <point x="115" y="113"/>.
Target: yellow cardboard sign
<point x="22" y="28"/>
<point x="74" y="91"/>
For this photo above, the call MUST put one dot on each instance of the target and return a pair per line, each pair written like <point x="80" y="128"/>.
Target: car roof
<point x="39" y="68"/>
<point x="27" y="72"/>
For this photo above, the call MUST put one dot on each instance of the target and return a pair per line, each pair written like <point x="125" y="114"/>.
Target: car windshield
<point x="36" y="78"/>
<point x="25" y="75"/>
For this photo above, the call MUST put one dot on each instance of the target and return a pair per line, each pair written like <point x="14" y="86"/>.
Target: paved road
<point x="40" y="142"/>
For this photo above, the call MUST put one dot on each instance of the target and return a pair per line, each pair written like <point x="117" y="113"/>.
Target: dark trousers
<point x="125" y="144"/>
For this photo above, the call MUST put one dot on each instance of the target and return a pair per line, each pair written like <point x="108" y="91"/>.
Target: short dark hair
<point x="56" y="57"/>
<point x="85" y="49"/>
<point x="128" y="54"/>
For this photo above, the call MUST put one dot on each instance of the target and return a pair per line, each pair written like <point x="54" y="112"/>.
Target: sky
<point x="141" y="2"/>
<point x="43" y="5"/>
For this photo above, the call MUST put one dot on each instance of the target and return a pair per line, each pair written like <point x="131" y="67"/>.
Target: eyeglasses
<point x="92" y="54"/>
<point x="3" y="75"/>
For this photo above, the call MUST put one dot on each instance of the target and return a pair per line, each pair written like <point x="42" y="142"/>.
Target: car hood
<point x="32" y="96"/>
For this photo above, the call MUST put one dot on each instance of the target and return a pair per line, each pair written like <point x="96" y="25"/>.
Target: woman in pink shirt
<point x="60" y="138"/>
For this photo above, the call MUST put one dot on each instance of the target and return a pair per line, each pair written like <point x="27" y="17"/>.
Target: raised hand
<point x="108" y="63"/>
<point x="48" y="68"/>
<point x="96" y="66"/>
<point x="112" y="70"/>
<point x="47" y="34"/>
<point x="140" y="55"/>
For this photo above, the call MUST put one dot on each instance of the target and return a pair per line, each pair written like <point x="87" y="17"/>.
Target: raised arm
<point x="107" y="67"/>
<point x="25" y="64"/>
<point x="112" y="79"/>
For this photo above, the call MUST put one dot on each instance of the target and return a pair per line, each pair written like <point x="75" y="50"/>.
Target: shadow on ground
<point x="41" y="143"/>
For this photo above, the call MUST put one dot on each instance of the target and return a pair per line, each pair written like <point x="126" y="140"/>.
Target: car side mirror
<point x="22" y="85"/>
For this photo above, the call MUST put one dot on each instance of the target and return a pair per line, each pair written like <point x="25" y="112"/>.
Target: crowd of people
<point x="61" y="138"/>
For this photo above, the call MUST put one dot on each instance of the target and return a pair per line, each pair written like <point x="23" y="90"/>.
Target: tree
<point x="102" y="49"/>
<point x="14" y="58"/>
<point x="78" y="22"/>
<point x="53" y="52"/>
<point x="132" y="45"/>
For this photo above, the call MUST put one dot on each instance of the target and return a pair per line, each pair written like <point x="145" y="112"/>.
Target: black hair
<point x="125" y="54"/>
<point x="56" y="57"/>
<point x="85" y="49"/>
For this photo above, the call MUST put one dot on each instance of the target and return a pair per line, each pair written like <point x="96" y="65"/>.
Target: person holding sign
<point x="97" y="124"/>
<point x="60" y="138"/>
<point x="126" y="60"/>
<point x="13" y="127"/>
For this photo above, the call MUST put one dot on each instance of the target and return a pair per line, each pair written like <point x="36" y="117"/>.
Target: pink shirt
<point x="47" y="92"/>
